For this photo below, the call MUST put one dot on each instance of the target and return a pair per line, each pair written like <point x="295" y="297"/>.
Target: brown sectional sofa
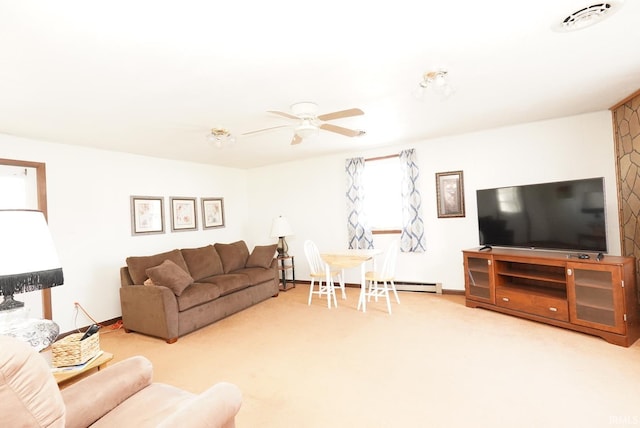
<point x="170" y="294"/>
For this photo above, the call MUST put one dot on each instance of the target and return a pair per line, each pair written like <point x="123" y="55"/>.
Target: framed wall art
<point x="147" y="215"/>
<point x="183" y="214"/>
<point x="212" y="212"/>
<point x="450" y="194"/>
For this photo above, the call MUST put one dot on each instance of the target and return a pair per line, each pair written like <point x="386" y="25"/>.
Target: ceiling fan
<point x="309" y="122"/>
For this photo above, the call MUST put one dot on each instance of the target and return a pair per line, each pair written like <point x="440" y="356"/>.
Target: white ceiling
<point x="152" y="77"/>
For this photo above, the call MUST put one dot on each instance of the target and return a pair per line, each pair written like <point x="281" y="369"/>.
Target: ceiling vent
<point x="588" y="16"/>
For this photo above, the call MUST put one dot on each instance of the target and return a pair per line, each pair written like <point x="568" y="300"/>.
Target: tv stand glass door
<point x="595" y="299"/>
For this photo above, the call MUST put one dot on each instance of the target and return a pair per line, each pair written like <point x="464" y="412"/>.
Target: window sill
<point x="386" y="231"/>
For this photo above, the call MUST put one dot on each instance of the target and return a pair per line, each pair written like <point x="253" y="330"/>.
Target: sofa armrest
<point x="91" y="398"/>
<point x="125" y="277"/>
<point x="151" y="310"/>
<point x="214" y="408"/>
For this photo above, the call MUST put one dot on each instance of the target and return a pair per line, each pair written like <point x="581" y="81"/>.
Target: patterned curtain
<point x="360" y="235"/>
<point x="412" y="238"/>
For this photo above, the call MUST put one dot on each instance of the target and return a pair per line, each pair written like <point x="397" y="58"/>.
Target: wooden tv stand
<point x="586" y="295"/>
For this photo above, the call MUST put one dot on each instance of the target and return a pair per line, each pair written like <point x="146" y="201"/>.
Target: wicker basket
<point x="71" y="351"/>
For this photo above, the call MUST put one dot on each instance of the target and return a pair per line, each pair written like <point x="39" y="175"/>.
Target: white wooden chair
<point x="318" y="272"/>
<point x="380" y="282"/>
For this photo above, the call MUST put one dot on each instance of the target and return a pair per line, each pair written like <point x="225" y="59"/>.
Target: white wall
<point x="88" y="193"/>
<point x="312" y="193"/>
<point x="89" y="214"/>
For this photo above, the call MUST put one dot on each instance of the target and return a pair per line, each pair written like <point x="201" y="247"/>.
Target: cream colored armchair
<point x="122" y="395"/>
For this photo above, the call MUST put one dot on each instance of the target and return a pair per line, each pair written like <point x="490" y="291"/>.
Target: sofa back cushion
<point x="138" y="265"/>
<point x="261" y="256"/>
<point x="202" y="262"/>
<point x="170" y="275"/>
<point x="234" y="256"/>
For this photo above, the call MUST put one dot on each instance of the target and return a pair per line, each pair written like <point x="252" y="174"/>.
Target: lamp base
<point x="282" y="247"/>
<point x="9" y="303"/>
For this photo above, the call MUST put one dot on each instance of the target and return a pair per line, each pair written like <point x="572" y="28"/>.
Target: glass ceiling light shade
<point x="307" y="129"/>
<point x="279" y="229"/>
<point x="29" y="258"/>
<point x="220" y="137"/>
<point x="436" y="81"/>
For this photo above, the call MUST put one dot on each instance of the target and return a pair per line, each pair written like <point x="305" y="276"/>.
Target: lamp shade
<point x="281" y="227"/>
<point x="29" y="260"/>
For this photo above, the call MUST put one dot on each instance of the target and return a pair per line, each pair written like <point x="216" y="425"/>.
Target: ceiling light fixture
<point x="220" y="137"/>
<point x="307" y="129"/>
<point x="438" y="82"/>
<point x="588" y="16"/>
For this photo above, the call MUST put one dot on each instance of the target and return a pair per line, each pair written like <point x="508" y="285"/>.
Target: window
<point x="382" y="188"/>
<point x="13" y="187"/>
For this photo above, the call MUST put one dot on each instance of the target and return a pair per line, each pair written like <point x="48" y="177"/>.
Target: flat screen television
<point x="564" y="215"/>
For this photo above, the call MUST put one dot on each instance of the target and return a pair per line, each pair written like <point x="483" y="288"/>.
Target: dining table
<point x="349" y="259"/>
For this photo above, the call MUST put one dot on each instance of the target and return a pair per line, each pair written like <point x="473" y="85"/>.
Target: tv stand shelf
<point x="537" y="291"/>
<point x="551" y="277"/>
<point x="591" y="296"/>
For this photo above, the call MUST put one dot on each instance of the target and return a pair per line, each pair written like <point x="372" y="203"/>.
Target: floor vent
<point x="429" y="287"/>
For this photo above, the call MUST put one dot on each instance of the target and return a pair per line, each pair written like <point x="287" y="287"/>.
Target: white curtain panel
<point x="359" y="231"/>
<point x="412" y="238"/>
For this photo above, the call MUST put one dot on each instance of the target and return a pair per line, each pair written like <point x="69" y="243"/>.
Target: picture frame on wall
<point x="183" y="214"/>
<point x="147" y="215"/>
<point x="212" y="213"/>
<point x="450" y="194"/>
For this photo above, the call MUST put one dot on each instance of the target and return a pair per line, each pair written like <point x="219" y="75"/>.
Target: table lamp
<point x="28" y="258"/>
<point x="279" y="229"/>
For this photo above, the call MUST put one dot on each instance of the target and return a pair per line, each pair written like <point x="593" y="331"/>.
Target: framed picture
<point x="183" y="214"/>
<point x="212" y="212"/>
<point x="450" y="193"/>
<point x="147" y="215"/>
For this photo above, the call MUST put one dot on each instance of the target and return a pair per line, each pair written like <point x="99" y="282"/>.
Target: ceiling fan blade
<point x="340" y="130"/>
<point x="264" y="129"/>
<point x="296" y="139"/>
<point x="340" y="114"/>
<point x="281" y="113"/>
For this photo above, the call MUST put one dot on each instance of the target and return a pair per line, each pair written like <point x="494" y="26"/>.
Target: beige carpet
<point x="432" y="363"/>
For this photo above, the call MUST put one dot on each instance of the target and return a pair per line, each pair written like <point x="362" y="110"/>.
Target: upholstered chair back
<point x="29" y="395"/>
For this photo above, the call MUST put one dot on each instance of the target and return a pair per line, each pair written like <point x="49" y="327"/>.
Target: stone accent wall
<point x="626" y="122"/>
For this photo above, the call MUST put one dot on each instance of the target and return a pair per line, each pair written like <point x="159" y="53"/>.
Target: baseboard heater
<point x="429" y="287"/>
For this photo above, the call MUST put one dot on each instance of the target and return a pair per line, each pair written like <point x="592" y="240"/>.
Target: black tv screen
<point x="565" y="215"/>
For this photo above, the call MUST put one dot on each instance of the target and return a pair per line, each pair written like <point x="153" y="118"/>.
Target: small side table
<point x="62" y="377"/>
<point x="286" y="263"/>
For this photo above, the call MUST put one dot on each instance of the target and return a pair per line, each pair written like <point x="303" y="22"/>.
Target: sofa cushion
<point x="197" y="294"/>
<point x="229" y="282"/>
<point x="170" y="275"/>
<point x="258" y="275"/>
<point x="261" y="256"/>
<point x="202" y="262"/>
<point x="234" y="256"/>
<point x="138" y="265"/>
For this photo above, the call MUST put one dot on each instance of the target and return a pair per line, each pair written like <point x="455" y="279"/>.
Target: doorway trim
<point x="41" y="184"/>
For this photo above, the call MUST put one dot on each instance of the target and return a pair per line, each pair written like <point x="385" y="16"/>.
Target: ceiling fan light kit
<point x="220" y="137"/>
<point x="307" y="129"/>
